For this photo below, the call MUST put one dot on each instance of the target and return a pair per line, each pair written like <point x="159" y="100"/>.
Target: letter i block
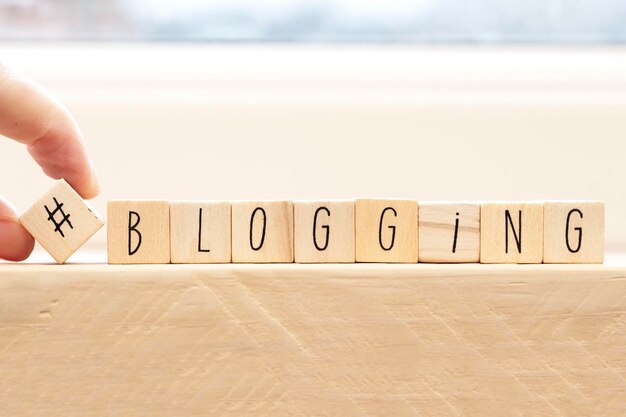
<point x="138" y="232"/>
<point x="449" y="232"/>
<point x="574" y="232"/>
<point x="61" y="221"/>
<point x="262" y="231"/>
<point x="511" y="233"/>
<point x="200" y="232"/>
<point x="324" y="231"/>
<point x="386" y="231"/>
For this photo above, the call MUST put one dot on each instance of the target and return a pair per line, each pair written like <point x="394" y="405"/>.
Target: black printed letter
<point x="456" y="233"/>
<point x="200" y="233"/>
<point x="325" y="227"/>
<point x="578" y="229"/>
<point x="133" y="228"/>
<point x="380" y="229"/>
<point x="518" y="237"/>
<point x="255" y="248"/>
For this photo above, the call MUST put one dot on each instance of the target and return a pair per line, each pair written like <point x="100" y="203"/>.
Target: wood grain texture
<point x="200" y="232"/>
<point x="441" y="239"/>
<point x="386" y="231"/>
<point x="511" y="232"/>
<point x="61" y="221"/>
<point x="330" y="239"/>
<point x="148" y="242"/>
<point x="579" y="239"/>
<point x="311" y="340"/>
<point x="262" y="231"/>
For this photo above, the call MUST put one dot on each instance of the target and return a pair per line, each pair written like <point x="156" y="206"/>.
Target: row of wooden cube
<point x="367" y="230"/>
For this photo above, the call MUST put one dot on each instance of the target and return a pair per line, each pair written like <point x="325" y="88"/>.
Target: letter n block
<point x="386" y="231"/>
<point x="61" y="221"/>
<point x="449" y="232"/>
<point x="138" y="232"/>
<point x="324" y="231"/>
<point x="574" y="232"/>
<point x="262" y="231"/>
<point x="200" y="232"/>
<point x="511" y="233"/>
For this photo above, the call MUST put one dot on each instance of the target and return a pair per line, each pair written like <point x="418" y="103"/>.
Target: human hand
<point x="30" y="116"/>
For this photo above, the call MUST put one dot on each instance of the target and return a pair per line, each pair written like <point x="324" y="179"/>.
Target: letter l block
<point x="138" y="232"/>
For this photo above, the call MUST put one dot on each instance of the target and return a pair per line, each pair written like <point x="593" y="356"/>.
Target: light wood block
<point x="200" y="232"/>
<point x="138" y="232"/>
<point x="352" y="340"/>
<point x="324" y="231"/>
<point x="262" y="231"/>
<point x="61" y="221"/>
<point x="573" y="232"/>
<point x="386" y="231"/>
<point x="511" y="233"/>
<point x="449" y="232"/>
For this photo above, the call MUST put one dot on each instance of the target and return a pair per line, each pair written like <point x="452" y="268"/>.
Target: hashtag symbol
<point x="65" y="218"/>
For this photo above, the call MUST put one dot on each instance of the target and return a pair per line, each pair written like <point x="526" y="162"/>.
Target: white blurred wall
<point x="301" y="121"/>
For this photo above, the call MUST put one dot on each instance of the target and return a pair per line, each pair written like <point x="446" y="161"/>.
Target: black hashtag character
<point x="65" y="218"/>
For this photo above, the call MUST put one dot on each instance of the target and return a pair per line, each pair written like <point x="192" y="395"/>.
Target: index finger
<point x="29" y="115"/>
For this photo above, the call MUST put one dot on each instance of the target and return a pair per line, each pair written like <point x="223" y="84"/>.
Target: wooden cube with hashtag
<point x="61" y="221"/>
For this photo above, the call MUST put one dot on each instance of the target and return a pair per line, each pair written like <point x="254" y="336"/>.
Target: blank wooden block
<point x="324" y="231"/>
<point x="138" y="232"/>
<point x="573" y="232"/>
<point x="386" y="231"/>
<point x="200" y="232"/>
<point x="61" y="221"/>
<point x="511" y="233"/>
<point x="262" y="231"/>
<point x="449" y="232"/>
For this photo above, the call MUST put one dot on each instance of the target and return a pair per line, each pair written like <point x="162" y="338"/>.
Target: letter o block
<point x="262" y="231"/>
<point x="138" y="232"/>
<point x="386" y="231"/>
<point x="324" y="231"/>
<point x="574" y="232"/>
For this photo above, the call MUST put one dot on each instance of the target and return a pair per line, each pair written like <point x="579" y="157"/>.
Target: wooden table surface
<point x="318" y="340"/>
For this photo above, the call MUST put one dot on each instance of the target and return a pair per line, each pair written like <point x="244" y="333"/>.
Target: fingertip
<point x="16" y="244"/>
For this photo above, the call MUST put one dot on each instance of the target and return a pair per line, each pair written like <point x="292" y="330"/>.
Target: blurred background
<point x="261" y="99"/>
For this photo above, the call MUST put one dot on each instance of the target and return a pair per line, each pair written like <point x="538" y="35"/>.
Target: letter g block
<point x="138" y="232"/>
<point x="574" y="232"/>
<point x="324" y="231"/>
<point x="386" y="231"/>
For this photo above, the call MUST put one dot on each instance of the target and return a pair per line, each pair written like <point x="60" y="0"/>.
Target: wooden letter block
<point x="511" y="233"/>
<point x="324" y="231"/>
<point x="262" y="231"/>
<point x="574" y="232"/>
<point x="449" y="232"/>
<point x="61" y="221"/>
<point x="138" y="232"/>
<point x="200" y="232"/>
<point x="386" y="231"/>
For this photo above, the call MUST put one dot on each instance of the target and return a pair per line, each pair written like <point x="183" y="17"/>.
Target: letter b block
<point x="511" y="233"/>
<point x="138" y="232"/>
<point x="324" y="231"/>
<point x="574" y="232"/>
<point x="262" y="231"/>
<point x="386" y="231"/>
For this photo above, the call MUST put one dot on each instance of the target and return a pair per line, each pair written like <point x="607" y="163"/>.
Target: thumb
<point x="15" y="242"/>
